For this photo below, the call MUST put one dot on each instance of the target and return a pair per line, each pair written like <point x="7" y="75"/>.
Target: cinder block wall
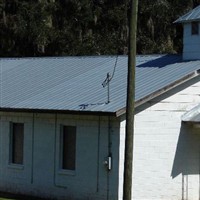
<point x="166" y="152"/>
<point x="41" y="175"/>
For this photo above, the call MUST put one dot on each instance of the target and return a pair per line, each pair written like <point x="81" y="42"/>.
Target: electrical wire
<point x="109" y="78"/>
<point x="114" y="68"/>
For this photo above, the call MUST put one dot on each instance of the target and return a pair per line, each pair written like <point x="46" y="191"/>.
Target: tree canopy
<point x="88" y="27"/>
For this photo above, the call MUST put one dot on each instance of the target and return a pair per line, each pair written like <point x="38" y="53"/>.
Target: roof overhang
<point x="192" y="116"/>
<point x="119" y="112"/>
<point x="192" y="15"/>
<point x="179" y="21"/>
<point x="161" y="91"/>
<point x="50" y="111"/>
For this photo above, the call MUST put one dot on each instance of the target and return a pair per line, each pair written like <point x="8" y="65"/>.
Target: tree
<point x="85" y="27"/>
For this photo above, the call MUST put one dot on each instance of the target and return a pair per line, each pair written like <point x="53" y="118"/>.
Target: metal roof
<point x="75" y="83"/>
<point x="193" y="115"/>
<point x="193" y="15"/>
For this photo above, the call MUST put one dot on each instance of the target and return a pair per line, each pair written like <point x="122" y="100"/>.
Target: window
<point x="17" y="143"/>
<point x="195" y="28"/>
<point x="68" y="147"/>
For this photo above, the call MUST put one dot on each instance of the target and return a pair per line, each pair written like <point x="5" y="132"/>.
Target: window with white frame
<point x="68" y="147"/>
<point x="16" y="143"/>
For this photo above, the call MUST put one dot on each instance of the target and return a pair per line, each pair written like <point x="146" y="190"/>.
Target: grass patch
<point x="8" y="196"/>
<point x="6" y="199"/>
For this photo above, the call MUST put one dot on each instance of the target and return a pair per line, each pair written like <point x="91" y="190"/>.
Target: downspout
<point x="32" y="153"/>
<point x="109" y="164"/>
<point x="54" y="171"/>
<point x="98" y="151"/>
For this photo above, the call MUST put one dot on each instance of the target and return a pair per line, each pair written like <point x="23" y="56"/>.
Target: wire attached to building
<point x="108" y="80"/>
<point x="104" y="84"/>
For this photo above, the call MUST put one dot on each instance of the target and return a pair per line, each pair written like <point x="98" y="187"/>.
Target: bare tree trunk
<point x="4" y="13"/>
<point x="49" y="23"/>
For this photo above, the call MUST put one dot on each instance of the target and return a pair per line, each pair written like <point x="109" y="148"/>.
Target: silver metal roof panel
<point x="193" y="15"/>
<point x="192" y="116"/>
<point x="75" y="83"/>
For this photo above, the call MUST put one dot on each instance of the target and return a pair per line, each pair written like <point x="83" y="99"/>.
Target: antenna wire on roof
<point x="108" y="80"/>
<point x="114" y="68"/>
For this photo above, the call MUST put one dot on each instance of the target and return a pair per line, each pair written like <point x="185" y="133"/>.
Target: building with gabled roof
<point x="191" y="38"/>
<point x="62" y="126"/>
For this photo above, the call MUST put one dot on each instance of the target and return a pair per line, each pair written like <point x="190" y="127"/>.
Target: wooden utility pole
<point x="128" y="167"/>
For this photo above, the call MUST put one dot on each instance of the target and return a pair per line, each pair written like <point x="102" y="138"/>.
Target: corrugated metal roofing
<point x="193" y="115"/>
<point x="75" y="83"/>
<point x="193" y="15"/>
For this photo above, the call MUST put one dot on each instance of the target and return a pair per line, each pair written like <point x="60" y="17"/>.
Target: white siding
<point x="121" y="158"/>
<point x="41" y="174"/>
<point x="166" y="153"/>
<point x="191" y="44"/>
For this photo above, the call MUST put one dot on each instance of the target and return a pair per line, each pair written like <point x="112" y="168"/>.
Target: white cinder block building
<point x="62" y="134"/>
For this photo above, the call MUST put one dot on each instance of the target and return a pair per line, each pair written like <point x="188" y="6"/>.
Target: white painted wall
<point x="166" y="153"/>
<point x="41" y="174"/>
<point x="191" y="43"/>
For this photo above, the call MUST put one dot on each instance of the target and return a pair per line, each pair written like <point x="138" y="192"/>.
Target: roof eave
<point x="50" y="111"/>
<point x="179" y="21"/>
<point x="119" y="112"/>
<point x="161" y="91"/>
